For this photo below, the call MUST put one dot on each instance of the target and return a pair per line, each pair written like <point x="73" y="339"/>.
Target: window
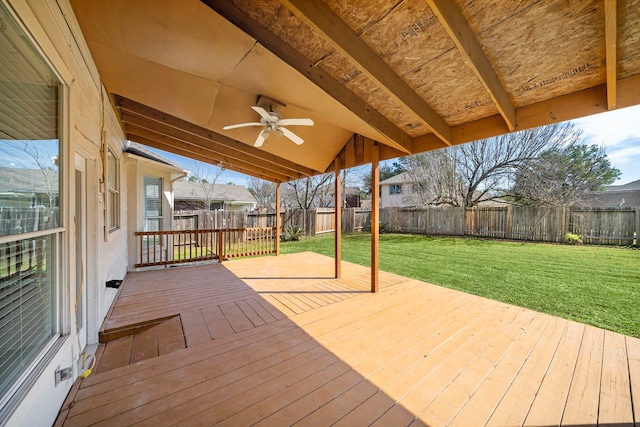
<point x="395" y="189"/>
<point x="30" y="197"/>
<point x="152" y="203"/>
<point x="113" y="189"/>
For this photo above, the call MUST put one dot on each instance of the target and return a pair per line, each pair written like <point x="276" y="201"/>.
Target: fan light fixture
<point x="272" y="122"/>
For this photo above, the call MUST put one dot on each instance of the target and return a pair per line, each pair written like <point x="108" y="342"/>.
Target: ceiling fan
<point x="272" y="123"/>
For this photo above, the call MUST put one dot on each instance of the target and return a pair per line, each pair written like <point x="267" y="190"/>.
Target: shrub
<point x="292" y="233"/>
<point x="573" y="239"/>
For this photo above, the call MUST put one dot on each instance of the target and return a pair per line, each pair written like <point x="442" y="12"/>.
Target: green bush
<point x="573" y="239"/>
<point x="292" y="233"/>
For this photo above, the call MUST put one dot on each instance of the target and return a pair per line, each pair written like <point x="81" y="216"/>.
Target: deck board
<point x="277" y="341"/>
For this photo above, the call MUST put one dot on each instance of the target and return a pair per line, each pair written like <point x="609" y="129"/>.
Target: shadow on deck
<point x="277" y="341"/>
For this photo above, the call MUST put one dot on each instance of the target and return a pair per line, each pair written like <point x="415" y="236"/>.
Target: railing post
<point x="220" y="255"/>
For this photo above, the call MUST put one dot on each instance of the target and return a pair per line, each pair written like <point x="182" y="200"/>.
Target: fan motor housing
<point x="271" y="105"/>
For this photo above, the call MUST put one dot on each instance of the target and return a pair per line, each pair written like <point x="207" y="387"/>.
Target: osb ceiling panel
<point x="362" y="14"/>
<point x="299" y="35"/>
<point x="629" y="38"/>
<point x="544" y="49"/>
<point x="392" y="71"/>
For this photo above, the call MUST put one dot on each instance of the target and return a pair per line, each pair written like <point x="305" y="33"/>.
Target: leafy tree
<point x="472" y="173"/>
<point x="562" y="176"/>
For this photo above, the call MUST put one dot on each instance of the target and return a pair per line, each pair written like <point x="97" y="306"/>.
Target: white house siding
<point x="137" y="168"/>
<point x="391" y="200"/>
<point x="89" y="120"/>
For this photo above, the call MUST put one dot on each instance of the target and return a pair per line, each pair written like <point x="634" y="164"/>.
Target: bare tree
<point x="308" y="192"/>
<point x="45" y="164"/>
<point x="207" y="176"/>
<point x="484" y="170"/>
<point x="263" y="191"/>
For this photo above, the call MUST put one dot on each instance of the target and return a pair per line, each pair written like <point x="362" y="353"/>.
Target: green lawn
<point x="599" y="286"/>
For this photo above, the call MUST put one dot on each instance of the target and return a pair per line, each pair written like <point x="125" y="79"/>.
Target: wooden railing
<point x="175" y="247"/>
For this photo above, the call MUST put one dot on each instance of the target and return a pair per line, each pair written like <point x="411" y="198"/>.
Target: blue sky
<point x="618" y="131"/>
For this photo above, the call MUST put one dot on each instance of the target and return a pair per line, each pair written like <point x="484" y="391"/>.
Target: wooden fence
<point x="312" y="221"/>
<point x="609" y="226"/>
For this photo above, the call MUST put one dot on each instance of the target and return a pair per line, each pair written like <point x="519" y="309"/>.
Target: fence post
<point x="508" y="232"/>
<point x="566" y="215"/>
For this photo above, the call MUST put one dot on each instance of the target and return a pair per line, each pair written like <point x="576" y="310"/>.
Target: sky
<point x="618" y="131"/>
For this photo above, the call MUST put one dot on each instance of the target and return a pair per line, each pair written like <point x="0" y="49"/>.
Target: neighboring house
<point x="394" y="191"/>
<point x="352" y="197"/>
<point x="633" y="185"/>
<point x="197" y="195"/>
<point x="21" y="187"/>
<point x="614" y="196"/>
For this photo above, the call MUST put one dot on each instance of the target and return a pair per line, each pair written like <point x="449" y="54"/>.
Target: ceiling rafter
<point x="182" y="147"/>
<point x="190" y="154"/>
<point x="171" y="125"/>
<point x="319" y="16"/>
<point x="143" y="126"/>
<point x="397" y="137"/>
<point x="451" y="18"/>
<point x="610" y="36"/>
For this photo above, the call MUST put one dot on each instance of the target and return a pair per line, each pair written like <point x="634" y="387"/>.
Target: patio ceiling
<point x="407" y="75"/>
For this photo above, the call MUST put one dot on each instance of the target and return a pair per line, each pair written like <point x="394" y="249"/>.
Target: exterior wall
<point x="393" y="200"/>
<point x="137" y="168"/>
<point x="89" y="123"/>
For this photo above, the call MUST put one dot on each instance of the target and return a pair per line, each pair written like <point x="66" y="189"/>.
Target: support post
<point x="375" y="215"/>
<point x="278" y="220"/>
<point x="338" y="218"/>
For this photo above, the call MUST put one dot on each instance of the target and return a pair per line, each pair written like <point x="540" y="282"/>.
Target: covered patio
<point x="280" y="341"/>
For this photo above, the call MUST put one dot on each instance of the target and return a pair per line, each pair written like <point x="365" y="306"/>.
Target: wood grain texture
<point x="411" y="354"/>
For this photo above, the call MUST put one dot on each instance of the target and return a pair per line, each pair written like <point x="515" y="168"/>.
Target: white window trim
<point x="108" y="230"/>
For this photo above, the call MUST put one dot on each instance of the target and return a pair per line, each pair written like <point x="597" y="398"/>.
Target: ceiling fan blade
<point x="263" y="113"/>
<point x="261" y="137"/>
<point x="241" y="125"/>
<point x="292" y="136"/>
<point x="296" y="122"/>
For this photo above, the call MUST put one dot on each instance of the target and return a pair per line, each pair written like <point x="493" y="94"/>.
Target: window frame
<point x="60" y="321"/>
<point x="159" y="217"/>
<point x="395" y="189"/>
<point x="113" y="215"/>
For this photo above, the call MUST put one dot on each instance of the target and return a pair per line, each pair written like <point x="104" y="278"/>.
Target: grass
<point x="599" y="286"/>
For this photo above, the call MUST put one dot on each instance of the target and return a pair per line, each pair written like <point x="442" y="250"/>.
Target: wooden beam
<point x="375" y="217"/>
<point x="324" y="21"/>
<point x="144" y="127"/>
<point x="127" y="105"/>
<point x="278" y="220"/>
<point x="334" y="88"/>
<point x="453" y="21"/>
<point x="610" y="36"/>
<point x="181" y="149"/>
<point x="338" y="219"/>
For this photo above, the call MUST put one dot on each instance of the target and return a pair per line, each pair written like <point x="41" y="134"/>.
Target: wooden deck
<point x="276" y="341"/>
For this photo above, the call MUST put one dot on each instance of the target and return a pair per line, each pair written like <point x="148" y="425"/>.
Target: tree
<point x="472" y="173"/>
<point x="562" y="176"/>
<point x="386" y="172"/>
<point x="206" y="177"/>
<point x="263" y="191"/>
<point x="305" y="193"/>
